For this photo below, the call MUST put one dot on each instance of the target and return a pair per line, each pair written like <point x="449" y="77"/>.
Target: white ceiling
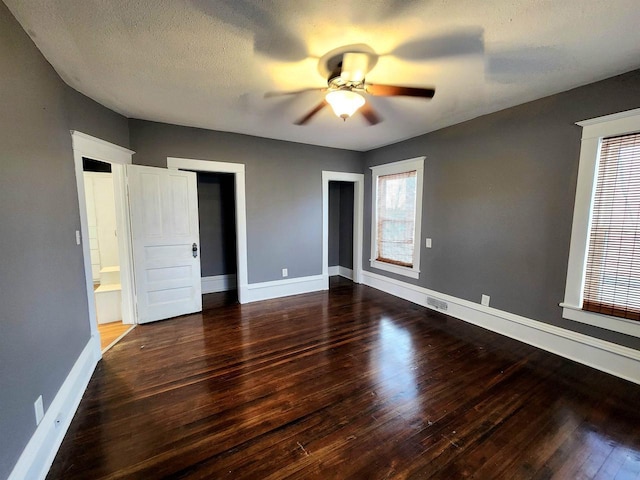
<point x="208" y="63"/>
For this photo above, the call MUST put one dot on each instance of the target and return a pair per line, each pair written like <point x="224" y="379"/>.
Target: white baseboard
<point x="342" y="271"/>
<point x="38" y="455"/>
<point x="255" y="292"/>
<point x="345" y="272"/>
<point x="218" y="283"/>
<point x="608" y="357"/>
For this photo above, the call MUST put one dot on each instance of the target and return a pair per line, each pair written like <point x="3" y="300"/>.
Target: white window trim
<point x="402" y="166"/>
<point x="593" y="131"/>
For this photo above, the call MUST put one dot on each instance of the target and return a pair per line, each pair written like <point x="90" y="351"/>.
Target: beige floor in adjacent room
<point x="111" y="331"/>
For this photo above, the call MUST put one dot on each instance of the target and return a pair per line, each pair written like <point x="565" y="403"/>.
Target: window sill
<point x="406" y="271"/>
<point x="620" y="325"/>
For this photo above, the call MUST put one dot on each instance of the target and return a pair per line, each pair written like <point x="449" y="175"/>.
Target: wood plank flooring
<point x="110" y="332"/>
<point x="346" y="384"/>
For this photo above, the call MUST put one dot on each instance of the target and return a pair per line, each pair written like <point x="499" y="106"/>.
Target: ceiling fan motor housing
<point x="337" y="82"/>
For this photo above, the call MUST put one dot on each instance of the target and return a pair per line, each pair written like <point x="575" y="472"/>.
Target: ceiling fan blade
<point x="271" y="37"/>
<point x="354" y="66"/>
<point x="512" y="66"/>
<point x="394" y="90"/>
<point x="313" y="111"/>
<point x="370" y="114"/>
<point x="465" y="41"/>
<point x="293" y="92"/>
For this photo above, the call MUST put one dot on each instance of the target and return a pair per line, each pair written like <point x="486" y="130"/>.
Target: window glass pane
<point x="396" y="211"/>
<point x="612" y="279"/>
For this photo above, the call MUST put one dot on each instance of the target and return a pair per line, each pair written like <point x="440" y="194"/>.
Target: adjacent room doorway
<point x="103" y="245"/>
<point x="342" y="210"/>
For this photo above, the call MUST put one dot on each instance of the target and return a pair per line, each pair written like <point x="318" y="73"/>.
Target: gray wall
<point x="217" y="215"/>
<point x="44" y="324"/>
<point x="88" y="116"/>
<point x="283" y="188"/>
<point x="498" y="201"/>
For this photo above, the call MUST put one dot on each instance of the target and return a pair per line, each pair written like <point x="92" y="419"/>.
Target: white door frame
<point x="241" y="209"/>
<point x="91" y="147"/>
<point x="358" y="204"/>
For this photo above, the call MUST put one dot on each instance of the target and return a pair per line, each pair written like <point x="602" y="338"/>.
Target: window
<point x="603" y="280"/>
<point x="612" y="277"/>
<point x="397" y="213"/>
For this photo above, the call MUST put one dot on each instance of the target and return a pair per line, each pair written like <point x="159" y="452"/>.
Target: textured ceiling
<point x="208" y="63"/>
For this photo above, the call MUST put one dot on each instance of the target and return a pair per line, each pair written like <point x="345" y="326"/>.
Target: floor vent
<point x="437" y="303"/>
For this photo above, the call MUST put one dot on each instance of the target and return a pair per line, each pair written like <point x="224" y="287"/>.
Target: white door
<point x="92" y="224"/>
<point x="106" y="218"/>
<point x="164" y="231"/>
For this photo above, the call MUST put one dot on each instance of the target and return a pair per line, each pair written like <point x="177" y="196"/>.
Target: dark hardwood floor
<point x="346" y="384"/>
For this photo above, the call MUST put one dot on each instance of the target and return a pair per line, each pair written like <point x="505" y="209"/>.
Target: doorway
<point x="103" y="247"/>
<point x="86" y="146"/>
<point x="341" y="201"/>
<point x="236" y="170"/>
<point x="348" y="225"/>
<point x="217" y="217"/>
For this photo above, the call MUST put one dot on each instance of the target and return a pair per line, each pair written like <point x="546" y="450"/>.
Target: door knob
<point x="194" y="250"/>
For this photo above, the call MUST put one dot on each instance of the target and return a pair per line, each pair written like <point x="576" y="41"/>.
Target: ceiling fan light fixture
<point x="344" y="102"/>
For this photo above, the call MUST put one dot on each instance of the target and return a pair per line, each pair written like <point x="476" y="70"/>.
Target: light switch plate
<point x="428" y="243"/>
<point x="39" y="409"/>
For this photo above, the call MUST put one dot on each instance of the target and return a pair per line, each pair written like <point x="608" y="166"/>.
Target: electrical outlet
<point x="427" y="242"/>
<point x="485" y="300"/>
<point x="39" y="409"/>
<point x="285" y="272"/>
<point x="77" y="237"/>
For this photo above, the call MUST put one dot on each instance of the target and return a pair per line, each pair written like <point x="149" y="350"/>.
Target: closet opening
<point x="341" y="229"/>
<point x="218" y="252"/>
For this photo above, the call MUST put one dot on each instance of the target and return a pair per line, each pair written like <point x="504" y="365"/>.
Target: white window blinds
<point x="396" y="215"/>
<point x="612" y="278"/>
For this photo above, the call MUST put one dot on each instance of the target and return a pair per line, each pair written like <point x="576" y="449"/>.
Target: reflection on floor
<point x="346" y="384"/>
<point x="110" y="332"/>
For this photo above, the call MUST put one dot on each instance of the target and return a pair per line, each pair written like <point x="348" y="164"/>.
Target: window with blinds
<point x="396" y="216"/>
<point x="612" y="277"/>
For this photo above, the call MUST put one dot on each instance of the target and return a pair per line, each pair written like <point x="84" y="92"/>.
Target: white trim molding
<point x="98" y="149"/>
<point x="91" y="147"/>
<point x="608" y="357"/>
<point x="593" y="131"/>
<point x="218" y="283"/>
<point x="402" y="166"/>
<point x="333" y="271"/>
<point x="341" y="271"/>
<point x="345" y="272"/>
<point x="241" y="210"/>
<point x="38" y="455"/>
<point x="358" y="211"/>
<point x="284" y="288"/>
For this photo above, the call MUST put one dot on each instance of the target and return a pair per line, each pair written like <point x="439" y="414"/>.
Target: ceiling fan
<point x="345" y="69"/>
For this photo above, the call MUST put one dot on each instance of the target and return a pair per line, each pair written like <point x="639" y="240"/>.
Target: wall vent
<point x="437" y="303"/>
